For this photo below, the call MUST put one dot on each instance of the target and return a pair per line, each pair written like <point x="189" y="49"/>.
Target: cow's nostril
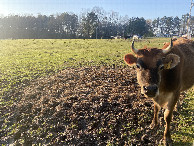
<point x="145" y="88"/>
<point x="155" y="88"/>
<point x="151" y="90"/>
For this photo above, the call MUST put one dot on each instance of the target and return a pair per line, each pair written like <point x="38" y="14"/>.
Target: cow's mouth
<point x="150" y="91"/>
<point x="151" y="95"/>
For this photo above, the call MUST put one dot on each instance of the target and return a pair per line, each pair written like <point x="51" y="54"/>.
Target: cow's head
<point x="150" y="63"/>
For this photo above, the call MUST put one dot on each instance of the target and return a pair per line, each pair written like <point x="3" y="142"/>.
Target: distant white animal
<point x="184" y="36"/>
<point x="135" y="37"/>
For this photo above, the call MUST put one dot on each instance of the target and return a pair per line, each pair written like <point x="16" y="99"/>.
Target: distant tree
<point x="156" y="23"/>
<point x="166" y="25"/>
<point x="177" y="24"/>
<point x="137" y="26"/>
<point x="183" y="27"/>
<point x="89" y="25"/>
<point x="149" y="33"/>
<point x="68" y="25"/>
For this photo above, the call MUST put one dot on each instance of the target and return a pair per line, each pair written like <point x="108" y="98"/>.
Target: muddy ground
<point x="85" y="106"/>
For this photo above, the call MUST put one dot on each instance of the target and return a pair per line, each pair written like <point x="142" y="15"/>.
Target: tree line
<point x="96" y="23"/>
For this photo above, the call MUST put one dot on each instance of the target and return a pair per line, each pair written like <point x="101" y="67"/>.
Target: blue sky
<point x="149" y="9"/>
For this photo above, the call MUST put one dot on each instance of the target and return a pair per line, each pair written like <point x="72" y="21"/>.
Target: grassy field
<point x="22" y="61"/>
<point x="25" y="60"/>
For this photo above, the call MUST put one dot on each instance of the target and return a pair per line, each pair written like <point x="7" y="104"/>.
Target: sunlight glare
<point x="3" y="10"/>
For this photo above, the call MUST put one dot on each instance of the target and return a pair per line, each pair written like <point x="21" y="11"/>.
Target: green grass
<point x="184" y="134"/>
<point x="22" y="61"/>
<point x="25" y="60"/>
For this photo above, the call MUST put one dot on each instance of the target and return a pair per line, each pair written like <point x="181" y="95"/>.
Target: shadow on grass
<point x="182" y="144"/>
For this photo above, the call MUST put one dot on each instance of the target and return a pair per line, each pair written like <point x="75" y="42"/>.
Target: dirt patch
<point x="85" y="106"/>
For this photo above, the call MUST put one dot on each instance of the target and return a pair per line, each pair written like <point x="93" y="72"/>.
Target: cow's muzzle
<point x="150" y="91"/>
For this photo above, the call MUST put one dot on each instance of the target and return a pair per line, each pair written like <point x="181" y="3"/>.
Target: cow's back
<point x="185" y="49"/>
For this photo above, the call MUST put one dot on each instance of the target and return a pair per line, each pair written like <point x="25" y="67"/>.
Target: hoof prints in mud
<point x="84" y="106"/>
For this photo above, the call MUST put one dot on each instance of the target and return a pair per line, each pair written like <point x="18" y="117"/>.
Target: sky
<point x="149" y="9"/>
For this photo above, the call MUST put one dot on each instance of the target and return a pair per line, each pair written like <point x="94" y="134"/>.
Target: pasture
<point x="79" y="92"/>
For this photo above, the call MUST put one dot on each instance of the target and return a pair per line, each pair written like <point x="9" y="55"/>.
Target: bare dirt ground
<point x="85" y="106"/>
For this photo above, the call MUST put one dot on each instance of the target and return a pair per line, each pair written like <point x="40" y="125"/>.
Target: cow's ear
<point x="171" y="61"/>
<point x="130" y="59"/>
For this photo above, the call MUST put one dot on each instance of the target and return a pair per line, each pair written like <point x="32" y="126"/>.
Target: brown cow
<point x="163" y="74"/>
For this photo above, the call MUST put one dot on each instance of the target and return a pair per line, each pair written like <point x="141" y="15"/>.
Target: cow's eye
<point x="161" y="67"/>
<point x="138" y="66"/>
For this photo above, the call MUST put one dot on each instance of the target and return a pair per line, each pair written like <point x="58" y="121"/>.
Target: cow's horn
<point x="168" y="48"/>
<point x="133" y="48"/>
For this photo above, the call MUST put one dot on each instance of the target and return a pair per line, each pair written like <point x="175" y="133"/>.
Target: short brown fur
<point x="169" y="82"/>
